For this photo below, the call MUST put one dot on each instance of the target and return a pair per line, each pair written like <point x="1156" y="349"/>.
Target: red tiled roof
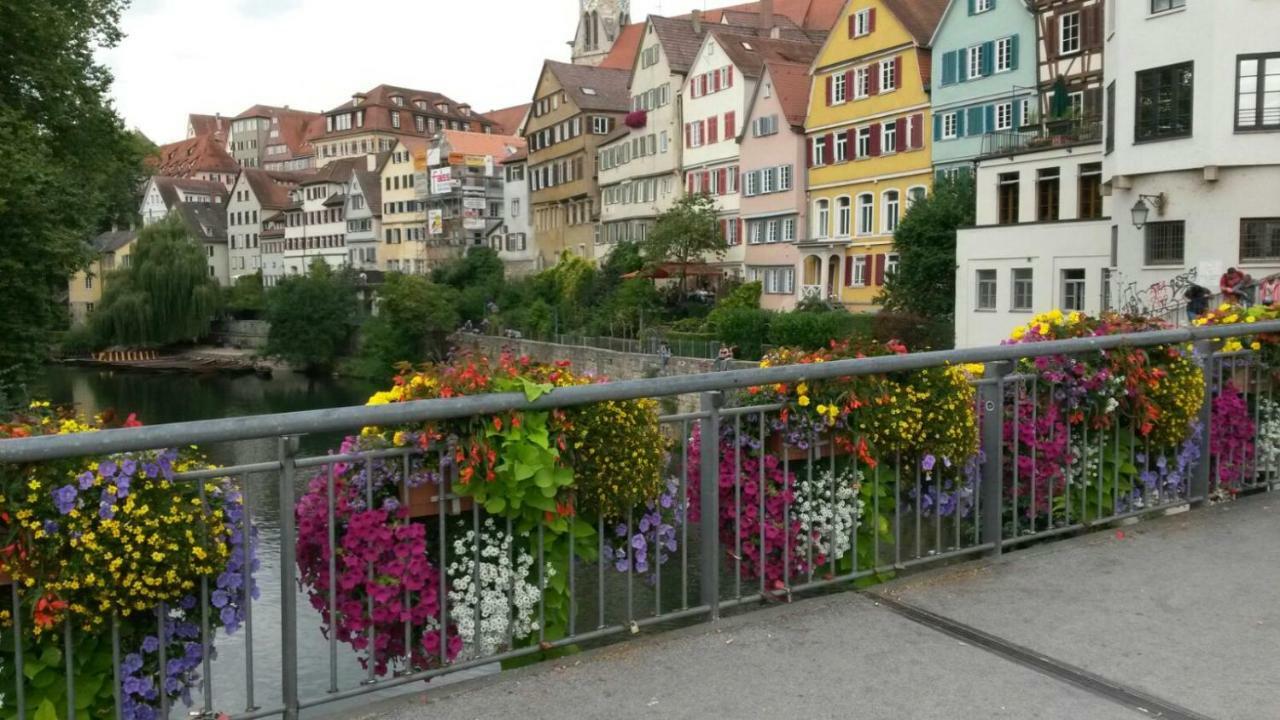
<point x="293" y="126"/>
<point x="271" y="188"/>
<point x="594" y="88"/>
<point x="506" y="121"/>
<point x="518" y="156"/>
<point x="203" y="153"/>
<point x="919" y="17"/>
<point x="792" y="84"/>
<point x="207" y="124"/>
<point x="169" y="188"/>
<point x="623" y="53"/>
<point x="819" y="15"/>
<point x="378" y="105"/>
<point x="497" y="146"/>
<point x="750" y="60"/>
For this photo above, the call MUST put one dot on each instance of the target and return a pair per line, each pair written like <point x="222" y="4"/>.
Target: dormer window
<point x="442" y="107"/>
<point x="588" y="91"/>
<point x="397" y="100"/>
<point x="745" y="45"/>
<point x="420" y="104"/>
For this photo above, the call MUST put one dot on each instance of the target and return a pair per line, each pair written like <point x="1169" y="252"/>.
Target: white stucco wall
<point x="1068" y="160"/>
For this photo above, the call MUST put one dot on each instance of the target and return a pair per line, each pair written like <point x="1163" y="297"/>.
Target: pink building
<point x="773" y="181"/>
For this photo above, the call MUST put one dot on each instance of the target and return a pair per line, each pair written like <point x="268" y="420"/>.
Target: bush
<point x="76" y="342"/>
<point x="414" y="319"/>
<point x="246" y="299"/>
<point x="744" y="329"/>
<point x="311" y="318"/>
<point x="812" y="330"/>
<point x="916" y="332"/>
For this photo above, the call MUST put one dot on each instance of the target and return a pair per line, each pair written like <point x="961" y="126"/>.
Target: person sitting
<point x="1235" y="287"/>
<point x="1197" y="301"/>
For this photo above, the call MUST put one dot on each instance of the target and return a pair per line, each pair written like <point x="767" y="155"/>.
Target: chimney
<point x="766" y="18"/>
<point x="697" y="21"/>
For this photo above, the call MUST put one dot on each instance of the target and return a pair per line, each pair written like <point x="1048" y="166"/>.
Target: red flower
<point x="132" y="421"/>
<point x="48" y="610"/>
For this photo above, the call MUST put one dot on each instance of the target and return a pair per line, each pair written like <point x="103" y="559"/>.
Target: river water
<point x="163" y="398"/>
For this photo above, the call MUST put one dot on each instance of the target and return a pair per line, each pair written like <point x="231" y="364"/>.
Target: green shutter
<point x="988" y="58"/>
<point x="1013" y="52"/>
<point x="948" y="68"/>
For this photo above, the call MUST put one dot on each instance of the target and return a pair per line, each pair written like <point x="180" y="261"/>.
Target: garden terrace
<point x="491" y="511"/>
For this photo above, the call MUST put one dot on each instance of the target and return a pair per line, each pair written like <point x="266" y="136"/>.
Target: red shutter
<point x="1051" y="40"/>
<point x="880" y="260"/>
<point x="721" y="181"/>
<point x="852" y="24"/>
<point x="706" y="181"/>
<point x="688" y="183"/>
<point x="742" y="237"/>
<point x="873" y="79"/>
<point x="730" y="76"/>
<point x="828" y="91"/>
<point x="897" y="71"/>
<point x="848" y="271"/>
<point x="875" y="140"/>
<point x="724" y="231"/>
<point x="808" y="158"/>
<point x="851" y="144"/>
<point x="718" y="86"/>
<point x="871" y="20"/>
<point x="848" y="85"/>
<point x="829" y="152"/>
<point x="902" y="134"/>
<point x="713" y="130"/>
<point x="729" y="125"/>
<point x="917" y="131"/>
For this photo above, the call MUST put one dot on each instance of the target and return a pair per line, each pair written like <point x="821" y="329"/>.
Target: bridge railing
<point x="747" y="518"/>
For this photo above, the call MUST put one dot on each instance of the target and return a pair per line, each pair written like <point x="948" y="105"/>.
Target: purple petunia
<point x="64" y="499"/>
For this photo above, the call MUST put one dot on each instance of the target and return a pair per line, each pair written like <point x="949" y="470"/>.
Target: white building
<point x="364" y="213"/>
<point x="315" y="223"/>
<point x="1041" y="241"/>
<point x="255" y="196"/>
<point x="513" y="237"/>
<point x="1193" y="143"/>
<point x="162" y="194"/>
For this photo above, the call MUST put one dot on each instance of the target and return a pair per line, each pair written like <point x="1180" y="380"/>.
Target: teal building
<point x="984" y="80"/>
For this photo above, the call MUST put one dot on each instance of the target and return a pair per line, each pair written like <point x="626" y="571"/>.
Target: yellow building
<point x="868" y="144"/>
<point x="84" y="290"/>
<point x="404" y="213"/>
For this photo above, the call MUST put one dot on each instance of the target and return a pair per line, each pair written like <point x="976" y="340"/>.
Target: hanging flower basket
<point x="822" y="447"/>
<point x="424" y="501"/>
<point x="636" y="119"/>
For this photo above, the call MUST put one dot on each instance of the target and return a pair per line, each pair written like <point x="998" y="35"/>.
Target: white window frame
<point x="891" y="210"/>
<point x="861" y="82"/>
<point x="1077" y="36"/>
<point x="771" y="230"/>
<point x="822" y="213"/>
<point x="841" y="151"/>
<point x="974" y="54"/>
<point x="859" y="271"/>
<point x="888" y="78"/>
<point x="949" y="126"/>
<point x="844" y="216"/>
<point x="862" y="23"/>
<point x="1024" y="109"/>
<point x="839" y="93"/>
<point x="865" y="209"/>
<point x="911" y="195"/>
<point x="989" y="278"/>
<point x="1004" y="116"/>
<point x="888" y="138"/>
<point x="862" y="142"/>
<point x="892" y="261"/>
<point x="1004" y="55"/>
<point x="784" y="178"/>
<point x="981" y="6"/>
<point x="788" y="229"/>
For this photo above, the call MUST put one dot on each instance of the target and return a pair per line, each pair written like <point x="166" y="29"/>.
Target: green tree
<point x="925" y="283"/>
<point x="246" y="298"/>
<point x="685" y="234"/>
<point x="311" y="317"/>
<point x="164" y="297"/>
<point x="415" y="317"/>
<point x="70" y="168"/>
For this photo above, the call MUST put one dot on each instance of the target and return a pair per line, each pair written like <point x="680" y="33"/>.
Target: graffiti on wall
<point x="1129" y="297"/>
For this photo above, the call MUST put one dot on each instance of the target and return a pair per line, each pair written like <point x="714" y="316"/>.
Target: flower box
<point x="424" y="501"/>
<point x="776" y="445"/>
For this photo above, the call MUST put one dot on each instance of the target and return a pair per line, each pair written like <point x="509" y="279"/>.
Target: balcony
<point x="1061" y="132"/>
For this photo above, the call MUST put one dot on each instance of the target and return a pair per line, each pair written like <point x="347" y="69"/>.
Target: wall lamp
<point x="1142" y="209"/>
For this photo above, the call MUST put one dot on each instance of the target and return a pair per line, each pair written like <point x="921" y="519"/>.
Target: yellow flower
<point x="802" y="389"/>
<point x="804" y="401"/>
<point x="1255" y="345"/>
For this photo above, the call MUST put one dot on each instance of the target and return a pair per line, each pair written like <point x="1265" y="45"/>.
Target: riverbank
<point x="198" y="360"/>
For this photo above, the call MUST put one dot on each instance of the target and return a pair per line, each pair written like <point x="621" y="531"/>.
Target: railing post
<point x="1198" y="491"/>
<point x="709" y="502"/>
<point x="288" y="452"/>
<point x="991" y="494"/>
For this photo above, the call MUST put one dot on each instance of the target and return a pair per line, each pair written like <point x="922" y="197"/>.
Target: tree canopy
<point x="684" y="234"/>
<point x="415" y="317"/>
<point x="70" y="167"/>
<point x="925" y="283"/>
<point x="311" y="317"/>
<point x="165" y="296"/>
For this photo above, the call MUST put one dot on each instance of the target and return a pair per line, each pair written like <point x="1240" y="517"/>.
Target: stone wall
<point x="250" y="334"/>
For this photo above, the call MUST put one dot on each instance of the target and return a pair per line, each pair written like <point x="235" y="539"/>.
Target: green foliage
<point x="70" y="168"/>
<point x="925" y="283"/>
<point x="685" y="234"/>
<point x="246" y="298"/>
<point x="624" y="258"/>
<point x="44" y="672"/>
<point x="414" y="319"/>
<point x="164" y="297"/>
<point x="811" y="330"/>
<point x="311" y="318"/>
<point x="480" y="267"/>
<point x="744" y="329"/>
<point x="635" y="303"/>
<point x="916" y="332"/>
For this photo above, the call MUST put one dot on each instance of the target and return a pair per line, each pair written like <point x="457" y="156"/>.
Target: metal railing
<point x="711" y="569"/>
<point x="1074" y="132"/>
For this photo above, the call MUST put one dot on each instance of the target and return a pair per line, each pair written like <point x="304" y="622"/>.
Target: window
<point x="822" y="224"/>
<point x="864" y="142"/>
<point x="1073" y="289"/>
<point x="888" y="138"/>
<point x="843" y="216"/>
<point x="775" y="280"/>
<point x="420" y="123"/>
<point x="888" y="75"/>
<point x="1007" y="199"/>
<point x="859" y="271"/>
<point x="862" y="23"/>
<point x="986" y="290"/>
<point x="866" y="211"/>
<point x="1259" y="239"/>
<point x="395" y="118"/>
<point x="1025" y="113"/>
<point x="861" y="82"/>
<point x="767" y="125"/>
<point x="1258" y="92"/>
<point x="1004" y="54"/>
<point x="891" y="263"/>
<point x="1090" y="191"/>
<point x="1164" y="103"/>
<point x="1069" y="33"/>
<point x="599" y="125"/>
<point x="88" y="281"/>
<point x="1004" y="116"/>
<point x="891" y="210"/>
<point x="1048" y="194"/>
<point x="1164" y="242"/>
<point x="949" y="126"/>
<point x="1158" y="6"/>
<point x="788" y="229"/>
<point x="784" y="177"/>
<point x="981" y="6"/>
<point x="819" y="152"/>
<point x="837" y="89"/>
<point x="841" y="151"/>
<point x="915" y="195"/>
<point x="649" y="57"/>
<point x="975" y="62"/>
<point x="1023" y="288"/>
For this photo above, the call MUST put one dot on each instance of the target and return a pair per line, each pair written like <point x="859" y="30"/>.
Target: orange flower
<point x="48" y="610"/>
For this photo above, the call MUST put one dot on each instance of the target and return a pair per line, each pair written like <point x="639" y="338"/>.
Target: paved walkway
<point x="1175" y="618"/>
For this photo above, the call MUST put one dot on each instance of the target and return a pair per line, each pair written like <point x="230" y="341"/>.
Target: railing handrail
<point x="52" y="447"/>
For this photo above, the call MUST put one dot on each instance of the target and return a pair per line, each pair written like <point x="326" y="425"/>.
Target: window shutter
<point x="829" y="82"/>
<point x="741" y="238"/>
<point x="975" y="126"/>
<point x="724" y="231"/>
<point x="706" y="181"/>
<point x="1092" y="20"/>
<point x="715" y="81"/>
<point x="904" y="142"/>
<point x="880" y="260"/>
<point x="1093" y="102"/>
<point x="871" y="20"/>
<point x="917" y="131"/>
<point x="848" y="85"/>
<point x="875" y="140"/>
<point x="1051" y="39"/>
<point x="1013" y="52"/>
<point x="897" y="72"/>
<point x="960" y="72"/>
<point x="988" y="58"/>
<point x="730" y="76"/>
<point x="808" y="156"/>
<point x="722" y="182"/>
<point x="851" y="146"/>
<point x="949" y="68"/>
<point x="960" y="124"/>
<point x="873" y="79"/>
<point x="989" y="119"/>
<point x="829" y="149"/>
<point x="713" y="130"/>
<point x="937" y="128"/>
<point x="848" y="271"/>
<point x="853" y="23"/>
<point x="730" y="125"/>
<point x="688" y="183"/>
<point x="973" y="8"/>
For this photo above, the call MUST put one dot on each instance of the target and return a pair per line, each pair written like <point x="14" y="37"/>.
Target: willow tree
<point x="164" y="297"/>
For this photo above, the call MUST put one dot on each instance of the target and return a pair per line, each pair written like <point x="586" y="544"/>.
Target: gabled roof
<point x="113" y="240"/>
<point x="520" y="155"/>
<point x="371" y="184"/>
<point x="594" y="88"/>
<point x="294" y="129"/>
<point x="170" y="188"/>
<point x="749" y="53"/>
<point x="206" y="124"/>
<point x="820" y="15"/>
<point x="335" y="172"/>
<point x="204" y="222"/>
<point x="680" y="42"/>
<point x="791" y="85"/>
<point x="271" y="188"/>
<point x="203" y="153"/>
<point x="507" y="121"/>
<point x="623" y="53"/>
<point x="919" y="17"/>
<point x="499" y="147"/>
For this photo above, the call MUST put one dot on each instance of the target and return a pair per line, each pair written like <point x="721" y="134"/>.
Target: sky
<point x="196" y="56"/>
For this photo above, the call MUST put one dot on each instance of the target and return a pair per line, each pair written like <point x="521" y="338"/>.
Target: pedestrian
<point x="1197" y="302"/>
<point x="724" y="358"/>
<point x="1235" y="287"/>
<point x="664" y="355"/>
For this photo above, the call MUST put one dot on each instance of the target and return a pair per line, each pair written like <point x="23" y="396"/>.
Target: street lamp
<point x="1142" y="208"/>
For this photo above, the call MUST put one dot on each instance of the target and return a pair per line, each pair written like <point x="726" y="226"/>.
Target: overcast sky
<point x="184" y="56"/>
